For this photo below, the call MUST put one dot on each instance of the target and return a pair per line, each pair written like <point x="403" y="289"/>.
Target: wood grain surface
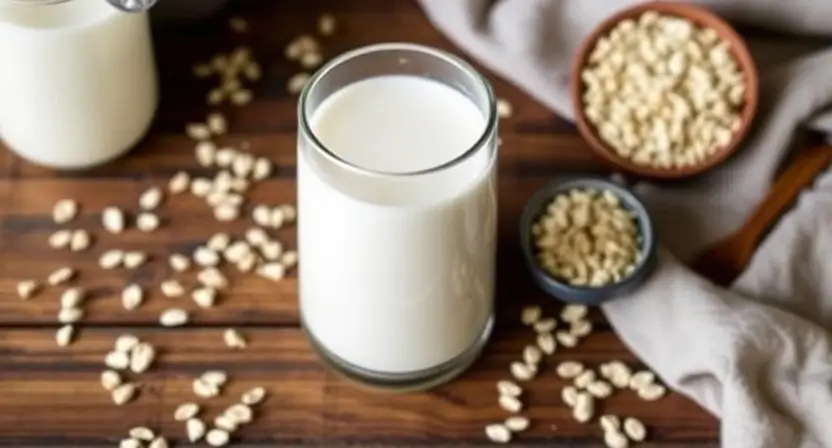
<point x="51" y="396"/>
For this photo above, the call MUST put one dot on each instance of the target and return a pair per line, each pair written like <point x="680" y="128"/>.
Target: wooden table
<point x="51" y="396"/>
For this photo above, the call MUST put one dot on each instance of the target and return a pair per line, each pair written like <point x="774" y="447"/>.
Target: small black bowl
<point x="592" y="296"/>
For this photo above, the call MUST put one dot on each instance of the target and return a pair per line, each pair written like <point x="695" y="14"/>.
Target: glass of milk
<point x="78" y="84"/>
<point x="397" y="206"/>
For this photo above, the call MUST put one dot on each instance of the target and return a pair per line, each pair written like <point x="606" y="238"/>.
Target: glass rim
<point x="491" y="119"/>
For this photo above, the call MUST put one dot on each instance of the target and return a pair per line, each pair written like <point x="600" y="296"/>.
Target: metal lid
<point x="133" y="5"/>
<point x="123" y="5"/>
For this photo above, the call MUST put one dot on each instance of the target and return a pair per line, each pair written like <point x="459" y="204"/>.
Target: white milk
<point x="77" y="81"/>
<point x="397" y="272"/>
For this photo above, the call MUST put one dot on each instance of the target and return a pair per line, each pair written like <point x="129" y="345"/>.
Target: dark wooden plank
<point x="57" y="388"/>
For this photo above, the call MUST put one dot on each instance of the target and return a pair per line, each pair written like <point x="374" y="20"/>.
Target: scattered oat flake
<point x="239" y="413"/>
<point x="186" y="411"/>
<point x="113" y="220"/>
<point x="225" y="423"/>
<point x="111" y="259"/>
<point x="289" y="211"/>
<point x="272" y="271"/>
<point x="225" y="157"/>
<point x="60" y="239"/>
<point x="241" y="97"/>
<point x="64" y="211"/>
<point x="179" y="183"/>
<point x="132" y="297"/>
<point x="508" y="387"/>
<point x="517" y="423"/>
<point x="64" y="335"/>
<point x="253" y="396"/>
<point x="219" y="242"/>
<point x="530" y="315"/>
<point x="142" y="357"/>
<point x="80" y="241"/>
<point x="297" y="82"/>
<point x="200" y="187"/>
<point x="147" y="222"/>
<point x="117" y="360"/>
<point x="217" y="437"/>
<point x="130" y="443"/>
<point x="498" y="433"/>
<point x="214" y="97"/>
<point x="110" y="379"/>
<point x="311" y="59"/>
<point x="70" y="315"/>
<point x="27" y="289"/>
<point x="238" y="24"/>
<point x="261" y="215"/>
<point x="213" y="278"/>
<point x="262" y="169"/>
<point x="142" y="433"/>
<point x="134" y="259"/>
<point x="635" y="429"/>
<point x="72" y="297"/>
<point x="158" y="442"/>
<point x="252" y="71"/>
<point x="504" y="108"/>
<point x="326" y="25"/>
<point x="61" y="275"/>
<point x="198" y="131"/>
<point x="125" y="343"/>
<point x="172" y="288"/>
<point x="173" y="317"/>
<point x="226" y="212"/>
<point x="205" y="389"/>
<point x="217" y="123"/>
<point x="205" y="256"/>
<point x="202" y="70"/>
<point x="272" y="250"/>
<point x="123" y="393"/>
<point x="204" y="297"/>
<point x="289" y="259"/>
<point x="195" y="429"/>
<point x="151" y="198"/>
<point x="215" y="377"/>
<point x="234" y="339"/>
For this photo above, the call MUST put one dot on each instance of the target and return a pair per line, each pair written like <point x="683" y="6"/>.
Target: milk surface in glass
<point x="397" y="272"/>
<point x="78" y="82"/>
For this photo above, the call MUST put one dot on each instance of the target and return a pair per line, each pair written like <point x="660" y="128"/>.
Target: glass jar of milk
<point x="397" y="212"/>
<point x="77" y="83"/>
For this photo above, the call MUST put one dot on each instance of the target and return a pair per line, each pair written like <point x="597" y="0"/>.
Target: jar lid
<point x="123" y="5"/>
<point x="133" y="5"/>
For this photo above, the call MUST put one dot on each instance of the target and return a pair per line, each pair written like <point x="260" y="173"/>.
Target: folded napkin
<point x="759" y="354"/>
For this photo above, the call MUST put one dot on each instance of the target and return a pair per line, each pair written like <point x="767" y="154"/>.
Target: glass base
<point x="402" y="382"/>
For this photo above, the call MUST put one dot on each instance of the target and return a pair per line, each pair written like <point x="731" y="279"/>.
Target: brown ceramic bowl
<point x="702" y="18"/>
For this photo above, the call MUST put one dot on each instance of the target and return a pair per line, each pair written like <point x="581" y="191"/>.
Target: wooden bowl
<point x="699" y="17"/>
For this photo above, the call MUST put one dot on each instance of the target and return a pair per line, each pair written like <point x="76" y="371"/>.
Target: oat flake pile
<point x="757" y="354"/>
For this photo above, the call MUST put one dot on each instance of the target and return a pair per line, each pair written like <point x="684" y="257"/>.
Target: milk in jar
<point x="78" y="81"/>
<point x="397" y="215"/>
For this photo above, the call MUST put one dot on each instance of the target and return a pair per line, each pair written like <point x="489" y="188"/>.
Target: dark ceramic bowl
<point x="588" y="295"/>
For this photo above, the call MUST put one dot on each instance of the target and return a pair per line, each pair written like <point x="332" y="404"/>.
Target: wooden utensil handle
<point x="807" y="164"/>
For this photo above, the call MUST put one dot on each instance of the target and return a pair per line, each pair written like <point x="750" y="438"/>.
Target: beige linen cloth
<point x="758" y="355"/>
